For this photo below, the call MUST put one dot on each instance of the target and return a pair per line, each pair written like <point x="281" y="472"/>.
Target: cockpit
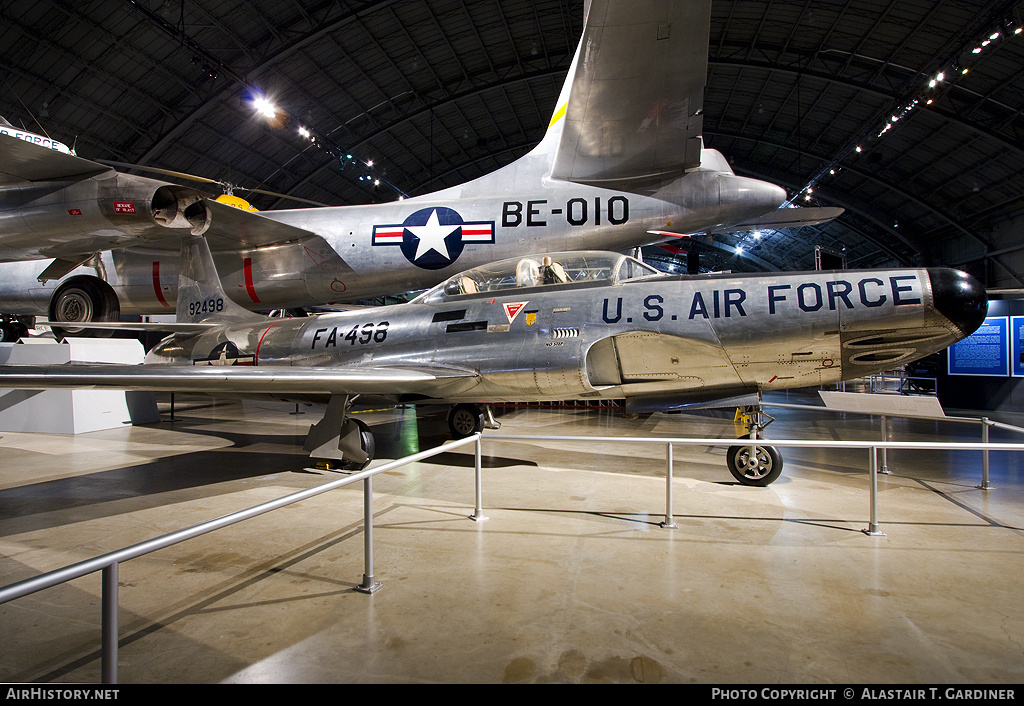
<point x="585" y="268"/>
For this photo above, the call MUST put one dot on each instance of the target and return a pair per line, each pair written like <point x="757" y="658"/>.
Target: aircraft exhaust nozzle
<point x="959" y="297"/>
<point x="175" y="207"/>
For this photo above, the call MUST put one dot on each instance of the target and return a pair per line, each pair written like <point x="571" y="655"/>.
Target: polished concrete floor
<point x="572" y="578"/>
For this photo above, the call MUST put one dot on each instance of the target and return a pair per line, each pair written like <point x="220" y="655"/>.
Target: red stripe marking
<point x="156" y="284"/>
<point x="256" y="357"/>
<point x="247" y="268"/>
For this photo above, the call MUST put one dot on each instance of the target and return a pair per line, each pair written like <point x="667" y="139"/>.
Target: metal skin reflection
<point x="567" y="326"/>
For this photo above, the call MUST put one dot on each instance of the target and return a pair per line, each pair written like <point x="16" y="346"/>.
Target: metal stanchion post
<point x="985" y="485"/>
<point x="873" y="522"/>
<point x="885" y="457"/>
<point x="669" y="522"/>
<point x="478" y="512"/>
<point x="368" y="585"/>
<point x="108" y="622"/>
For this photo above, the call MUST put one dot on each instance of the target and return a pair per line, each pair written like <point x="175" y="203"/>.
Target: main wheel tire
<point x="9" y="333"/>
<point x="366" y="443"/>
<point x="465" y="420"/>
<point x="761" y="470"/>
<point x="83" y="300"/>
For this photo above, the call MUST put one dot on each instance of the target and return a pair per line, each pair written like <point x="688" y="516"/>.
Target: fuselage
<point x="640" y="336"/>
<point x="370" y="250"/>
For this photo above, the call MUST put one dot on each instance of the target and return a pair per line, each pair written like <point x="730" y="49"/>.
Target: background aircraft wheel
<point x="366" y="443"/>
<point x="83" y="300"/>
<point x="760" y="470"/>
<point x="465" y="420"/>
<point x="11" y="331"/>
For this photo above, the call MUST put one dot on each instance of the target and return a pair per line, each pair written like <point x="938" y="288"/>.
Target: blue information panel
<point x="1017" y="346"/>
<point x="985" y="352"/>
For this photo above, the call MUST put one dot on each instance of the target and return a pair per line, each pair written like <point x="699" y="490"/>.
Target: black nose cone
<point x="959" y="297"/>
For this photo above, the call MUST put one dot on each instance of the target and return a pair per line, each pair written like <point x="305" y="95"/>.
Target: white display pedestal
<point x="73" y="411"/>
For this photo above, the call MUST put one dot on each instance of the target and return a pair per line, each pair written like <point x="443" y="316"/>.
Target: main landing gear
<point x="340" y="440"/>
<point x="468" y="419"/>
<point x="754" y="463"/>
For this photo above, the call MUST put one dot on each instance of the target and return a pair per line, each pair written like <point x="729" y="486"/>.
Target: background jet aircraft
<point x="622" y="157"/>
<point x="579" y="325"/>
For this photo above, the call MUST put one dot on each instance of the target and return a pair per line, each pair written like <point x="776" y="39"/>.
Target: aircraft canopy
<point x="586" y="268"/>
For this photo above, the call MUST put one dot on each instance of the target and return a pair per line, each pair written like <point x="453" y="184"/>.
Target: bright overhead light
<point x="264" y="107"/>
<point x="303" y="131"/>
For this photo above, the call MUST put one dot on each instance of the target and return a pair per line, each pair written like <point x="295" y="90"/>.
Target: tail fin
<point x="200" y="293"/>
<point x="630" y="109"/>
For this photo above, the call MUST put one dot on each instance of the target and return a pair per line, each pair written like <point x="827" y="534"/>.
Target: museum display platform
<point x="571" y="579"/>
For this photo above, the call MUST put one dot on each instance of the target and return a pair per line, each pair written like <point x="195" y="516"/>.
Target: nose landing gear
<point x="754" y="463"/>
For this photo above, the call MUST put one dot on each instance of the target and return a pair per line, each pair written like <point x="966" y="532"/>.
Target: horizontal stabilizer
<point x="134" y="326"/>
<point x="232" y="228"/>
<point x="23" y="161"/>
<point x="787" y="218"/>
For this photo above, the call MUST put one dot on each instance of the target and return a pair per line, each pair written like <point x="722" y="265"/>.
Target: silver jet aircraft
<point x="621" y="164"/>
<point x="584" y="325"/>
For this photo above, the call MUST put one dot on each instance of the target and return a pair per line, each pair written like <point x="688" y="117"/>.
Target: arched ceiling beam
<point x="537" y="75"/>
<point x="935" y="108"/>
<point x="873" y="178"/>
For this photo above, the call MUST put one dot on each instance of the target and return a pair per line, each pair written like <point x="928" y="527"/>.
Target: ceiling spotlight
<point x="304" y="132"/>
<point x="264" y="107"/>
<point x="859" y="149"/>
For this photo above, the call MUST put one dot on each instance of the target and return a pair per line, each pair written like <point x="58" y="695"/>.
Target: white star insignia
<point x="431" y="237"/>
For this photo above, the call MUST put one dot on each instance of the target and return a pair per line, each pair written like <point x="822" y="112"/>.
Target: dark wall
<point x="982" y="392"/>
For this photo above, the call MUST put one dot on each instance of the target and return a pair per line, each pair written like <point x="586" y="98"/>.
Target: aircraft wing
<point x="623" y="121"/>
<point x="231" y="379"/>
<point x="23" y="161"/>
<point x="786" y="218"/>
<point x="232" y="228"/>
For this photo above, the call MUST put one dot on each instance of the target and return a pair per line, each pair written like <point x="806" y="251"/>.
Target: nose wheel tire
<point x="759" y="469"/>
<point x="465" y="420"/>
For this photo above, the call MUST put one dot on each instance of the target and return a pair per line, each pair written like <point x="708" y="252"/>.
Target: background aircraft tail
<point x="201" y="296"/>
<point x="630" y="108"/>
